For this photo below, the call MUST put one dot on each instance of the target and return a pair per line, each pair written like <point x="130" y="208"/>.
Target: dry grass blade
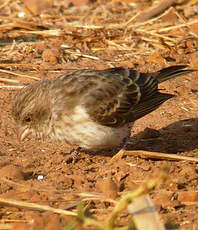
<point x="101" y="199"/>
<point x="80" y="54"/>
<point x="5" y="4"/>
<point x="155" y="34"/>
<point x="8" y="80"/>
<point x="150" y="21"/>
<point x="177" y="26"/>
<point x="152" y="155"/>
<point x="11" y="87"/>
<point x="118" y="47"/>
<point x="20" y="65"/>
<point x="132" y="19"/>
<point x="158" y="155"/>
<point x="15" y="221"/>
<point x="18" y="74"/>
<point x="44" y="32"/>
<point x="32" y="206"/>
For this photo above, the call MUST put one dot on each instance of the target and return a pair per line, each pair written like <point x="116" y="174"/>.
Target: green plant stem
<point x="92" y="222"/>
<point x="127" y="199"/>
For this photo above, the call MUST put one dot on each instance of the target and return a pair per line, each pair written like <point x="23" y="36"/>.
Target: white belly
<point x="90" y="135"/>
<point x="79" y="130"/>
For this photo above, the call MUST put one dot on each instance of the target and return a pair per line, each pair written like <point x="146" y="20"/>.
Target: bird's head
<point x="31" y="110"/>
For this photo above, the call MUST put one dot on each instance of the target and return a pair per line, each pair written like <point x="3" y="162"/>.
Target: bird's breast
<point x="78" y="129"/>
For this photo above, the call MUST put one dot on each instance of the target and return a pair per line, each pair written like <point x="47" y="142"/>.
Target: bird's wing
<point x="121" y="96"/>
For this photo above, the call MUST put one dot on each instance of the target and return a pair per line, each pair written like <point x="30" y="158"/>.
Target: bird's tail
<point x="148" y="106"/>
<point x="171" y="72"/>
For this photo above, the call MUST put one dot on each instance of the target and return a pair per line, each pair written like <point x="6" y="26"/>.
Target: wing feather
<point x="112" y="102"/>
<point x="117" y="96"/>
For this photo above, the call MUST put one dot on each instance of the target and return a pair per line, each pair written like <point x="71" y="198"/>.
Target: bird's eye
<point x="27" y="119"/>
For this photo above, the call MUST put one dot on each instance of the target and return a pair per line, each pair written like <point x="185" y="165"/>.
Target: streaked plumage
<point x="92" y="109"/>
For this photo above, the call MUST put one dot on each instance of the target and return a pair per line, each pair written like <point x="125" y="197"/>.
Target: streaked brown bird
<point x="91" y="109"/>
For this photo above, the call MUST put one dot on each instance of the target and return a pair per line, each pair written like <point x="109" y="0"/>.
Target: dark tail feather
<point x="171" y="72"/>
<point x="147" y="107"/>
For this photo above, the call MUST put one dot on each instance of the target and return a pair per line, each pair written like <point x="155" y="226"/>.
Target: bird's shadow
<point x="177" y="137"/>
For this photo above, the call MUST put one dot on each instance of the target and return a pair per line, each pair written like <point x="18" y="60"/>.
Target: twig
<point x="156" y="155"/>
<point x="145" y="15"/>
<point x="32" y="206"/>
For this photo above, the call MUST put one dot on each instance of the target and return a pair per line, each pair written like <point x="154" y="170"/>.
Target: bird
<point x="90" y="109"/>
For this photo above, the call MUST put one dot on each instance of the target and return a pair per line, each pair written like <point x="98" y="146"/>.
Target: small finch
<point x="91" y="109"/>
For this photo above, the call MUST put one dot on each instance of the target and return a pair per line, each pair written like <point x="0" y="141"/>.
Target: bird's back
<point x="112" y="97"/>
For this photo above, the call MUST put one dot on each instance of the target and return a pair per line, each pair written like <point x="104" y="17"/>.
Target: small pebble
<point x="21" y="14"/>
<point x="40" y="177"/>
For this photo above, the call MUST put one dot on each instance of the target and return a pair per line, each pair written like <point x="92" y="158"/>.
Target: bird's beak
<point x="23" y="133"/>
